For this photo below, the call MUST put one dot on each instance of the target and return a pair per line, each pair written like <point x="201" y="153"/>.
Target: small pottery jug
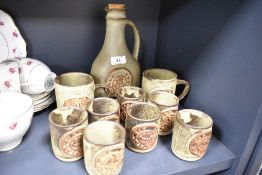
<point x="115" y="66"/>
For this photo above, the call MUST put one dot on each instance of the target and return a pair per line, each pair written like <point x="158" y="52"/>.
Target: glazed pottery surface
<point x="66" y="130"/>
<point x="16" y="112"/>
<point x="115" y="66"/>
<point x="104" y="147"/>
<point x="74" y="89"/>
<point x="191" y="135"/>
<point x="163" y="80"/>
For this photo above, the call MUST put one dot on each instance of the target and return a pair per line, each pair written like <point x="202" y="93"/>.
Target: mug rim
<point x="143" y="120"/>
<point x="145" y="74"/>
<point x="130" y="98"/>
<point x="119" y="126"/>
<point x="74" y="73"/>
<point x="159" y="92"/>
<point x="105" y="114"/>
<point x="191" y="126"/>
<point x="72" y="125"/>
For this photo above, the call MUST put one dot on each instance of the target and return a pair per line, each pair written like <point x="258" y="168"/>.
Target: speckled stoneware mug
<point x="163" y="80"/>
<point x="141" y="126"/>
<point x="191" y="135"/>
<point x="74" y="89"/>
<point x="168" y="105"/>
<point x="104" y="108"/>
<point x="128" y="95"/>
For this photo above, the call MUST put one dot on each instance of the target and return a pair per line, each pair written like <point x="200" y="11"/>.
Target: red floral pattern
<point x="2" y="23"/>
<point x="15" y="34"/>
<point x="29" y="62"/>
<point x="7" y="84"/>
<point x="13" y="125"/>
<point x="12" y="70"/>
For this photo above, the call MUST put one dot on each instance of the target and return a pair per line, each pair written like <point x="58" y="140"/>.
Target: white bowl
<point x="16" y="112"/>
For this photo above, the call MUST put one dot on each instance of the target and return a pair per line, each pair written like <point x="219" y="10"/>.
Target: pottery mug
<point x="74" y="89"/>
<point x="163" y="80"/>
<point x="67" y="125"/>
<point x="168" y="105"/>
<point x="9" y="76"/>
<point x="128" y="95"/>
<point x="141" y="126"/>
<point x="35" y="76"/>
<point x="104" y="148"/>
<point x="104" y="108"/>
<point x="191" y="134"/>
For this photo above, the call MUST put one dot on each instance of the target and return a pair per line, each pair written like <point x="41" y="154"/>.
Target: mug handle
<point x="97" y="86"/>
<point x="186" y="89"/>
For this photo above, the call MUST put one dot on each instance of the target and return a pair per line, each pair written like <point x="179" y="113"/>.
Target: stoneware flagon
<point x="115" y="66"/>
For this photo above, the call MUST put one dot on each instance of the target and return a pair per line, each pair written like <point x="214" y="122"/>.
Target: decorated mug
<point x="163" y="80"/>
<point x="191" y="135"/>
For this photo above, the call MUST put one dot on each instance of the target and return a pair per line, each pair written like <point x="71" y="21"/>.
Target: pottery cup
<point x="168" y="105"/>
<point x="35" y="76"/>
<point x="9" y="76"/>
<point x="128" y="95"/>
<point x="163" y="80"/>
<point x="104" y="108"/>
<point x="104" y="146"/>
<point x="141" y="126"/>
<point x="66" y="130"/>
<point x="74" y="89"/>
<point x="191" y="135"/>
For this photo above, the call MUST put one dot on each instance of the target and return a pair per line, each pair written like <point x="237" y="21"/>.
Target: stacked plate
<point x="42" y="101"/>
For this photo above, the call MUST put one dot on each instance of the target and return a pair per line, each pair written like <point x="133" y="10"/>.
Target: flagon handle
<point x="137" y="39"/>
<point x="186" y="88"/>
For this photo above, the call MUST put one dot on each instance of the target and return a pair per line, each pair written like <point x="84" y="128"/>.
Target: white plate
<point x="44" y="105"/>
<point x="12" y="43"/>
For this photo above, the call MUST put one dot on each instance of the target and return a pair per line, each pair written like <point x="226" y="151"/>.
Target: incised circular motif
<point x="71" y="143"/>
<point x="118" y="77"/>
<point x="166" y="122"/>
<point x="109" y="160"/>
<point x="144" y="136"/>
<point x="199" y="143"/>
<point x="80" y="102"/>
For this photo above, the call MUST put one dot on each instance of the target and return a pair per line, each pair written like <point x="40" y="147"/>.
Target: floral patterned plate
<point x="12" y="43"/>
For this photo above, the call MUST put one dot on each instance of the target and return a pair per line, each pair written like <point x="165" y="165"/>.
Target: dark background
<point x="214" y="44"/>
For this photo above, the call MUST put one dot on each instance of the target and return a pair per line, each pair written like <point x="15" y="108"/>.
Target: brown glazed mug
<point x="104" y="108"/>
<point x="141" y="126"/>
<point x="163" y="80"/>
<point x="191" y="135"/>
<point x="168" y="105"/>
<point x="128" y="95"/>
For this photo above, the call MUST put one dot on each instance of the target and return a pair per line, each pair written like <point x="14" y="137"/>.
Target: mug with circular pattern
<point x="163" y="80"/>
<point x="104" y="147"/>
<point x="191" y="135"/>
<point x="141" y="126"/>
<point x="168" y="105"/>
<point x="67" y="125"/>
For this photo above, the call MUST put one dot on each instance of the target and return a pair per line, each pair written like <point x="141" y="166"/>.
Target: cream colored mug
<point x="163" y="80"/>
<point x="74" y="89"/>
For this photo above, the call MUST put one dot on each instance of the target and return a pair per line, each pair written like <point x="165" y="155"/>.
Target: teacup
<point x="35" y="76"/>
<point x="9" y="76"/>
<point x="163" y="80"/>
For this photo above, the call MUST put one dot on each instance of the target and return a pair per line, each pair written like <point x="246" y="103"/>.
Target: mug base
<point x="139" y="150"/>
<point x="67" y="159"/>
<point x="190" y="159"/>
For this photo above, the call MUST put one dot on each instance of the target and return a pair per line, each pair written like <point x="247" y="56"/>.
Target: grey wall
<point x="217" y="47"/>
<point x="68" y="34"/>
